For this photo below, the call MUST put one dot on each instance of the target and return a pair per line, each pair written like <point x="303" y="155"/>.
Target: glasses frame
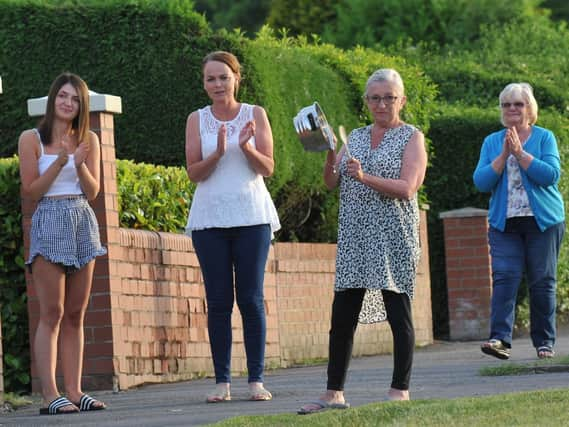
<point x="376" y="99"/>
<point x="507" y="105"/>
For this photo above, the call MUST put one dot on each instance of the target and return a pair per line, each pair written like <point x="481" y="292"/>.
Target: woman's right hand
<point x="221" y="140"/>
<point x="62" y="156"/>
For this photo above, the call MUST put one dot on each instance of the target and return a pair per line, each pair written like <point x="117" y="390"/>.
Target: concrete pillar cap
<point x="463" y="213"/>
<point x="98" y="102"/>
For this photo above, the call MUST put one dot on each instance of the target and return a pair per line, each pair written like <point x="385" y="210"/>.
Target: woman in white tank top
<point x="59" y="167"/>
<point x="229" y="149"/>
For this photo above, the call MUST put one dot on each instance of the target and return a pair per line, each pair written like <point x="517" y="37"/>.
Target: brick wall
<point x="468" y="272"/>
<point x="159" y="325"/>
<point x="146" y="320"/>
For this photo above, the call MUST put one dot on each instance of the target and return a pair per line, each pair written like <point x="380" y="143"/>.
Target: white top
<point x="67" y="182"/>
<point x="234" y="194"/>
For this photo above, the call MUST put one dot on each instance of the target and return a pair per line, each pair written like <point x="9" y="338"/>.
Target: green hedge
<point x="525" y="50"/>
<point x="147" y="52"/>
<point x="290" y="74"/>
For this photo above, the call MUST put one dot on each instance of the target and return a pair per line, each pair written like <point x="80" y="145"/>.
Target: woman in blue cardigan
<point x="520" y="166"/>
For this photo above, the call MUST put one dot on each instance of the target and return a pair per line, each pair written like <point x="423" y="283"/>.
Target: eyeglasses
<point x="376" y="99"/>
<point x="507" y="105"/>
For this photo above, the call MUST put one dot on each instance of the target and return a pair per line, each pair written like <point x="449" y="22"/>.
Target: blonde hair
<point x="517" y="91"/>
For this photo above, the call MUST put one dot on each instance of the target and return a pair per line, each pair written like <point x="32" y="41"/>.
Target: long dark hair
<point x="81" y="122"/>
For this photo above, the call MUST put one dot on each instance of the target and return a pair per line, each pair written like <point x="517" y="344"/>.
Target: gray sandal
<point x="321" y="405"/>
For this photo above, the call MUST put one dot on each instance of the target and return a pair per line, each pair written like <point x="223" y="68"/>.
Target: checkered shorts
<point x="65" y="231"/>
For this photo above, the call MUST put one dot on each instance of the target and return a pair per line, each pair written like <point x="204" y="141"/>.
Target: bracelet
<point x="522" y="156"/>
<point x="333" y="166"/>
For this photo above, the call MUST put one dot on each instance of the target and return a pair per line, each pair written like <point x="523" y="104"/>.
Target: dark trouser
<point x="345" y="311"/>
<point x="221" y="251"/>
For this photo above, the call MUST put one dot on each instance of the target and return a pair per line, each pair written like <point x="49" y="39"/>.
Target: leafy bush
<point x="153" y="197"/>
<point x="13" y="301"/>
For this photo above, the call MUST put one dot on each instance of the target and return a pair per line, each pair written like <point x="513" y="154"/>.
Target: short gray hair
<point x="386" y="75"/>
<point x="523" y="90"/>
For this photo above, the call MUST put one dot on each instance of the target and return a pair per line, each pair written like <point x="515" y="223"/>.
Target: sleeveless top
<point x="234" y="194"/>
<point x="378" y="236"/>
<point x="67" y="182"/>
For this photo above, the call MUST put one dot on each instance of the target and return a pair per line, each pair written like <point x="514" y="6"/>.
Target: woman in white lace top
<point x="229" y="149"/>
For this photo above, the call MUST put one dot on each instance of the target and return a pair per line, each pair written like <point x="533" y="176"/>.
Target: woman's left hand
<point x="246" y="134"/>
<point x="354" y="168"/>
<point x="81" y="153"/>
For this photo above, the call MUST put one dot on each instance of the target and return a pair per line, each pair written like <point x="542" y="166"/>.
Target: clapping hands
<point x="512" y="141"/>
<point x="246" y="134"/>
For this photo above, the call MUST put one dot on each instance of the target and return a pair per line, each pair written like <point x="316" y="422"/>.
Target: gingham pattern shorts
<point x="65" y="231"/>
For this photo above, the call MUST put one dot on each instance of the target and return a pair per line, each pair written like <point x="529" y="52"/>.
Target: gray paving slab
<point x="444" y="370"/>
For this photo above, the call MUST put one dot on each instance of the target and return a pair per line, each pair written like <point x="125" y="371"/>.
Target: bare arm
<point x="200" y="169"/>
<point x="260" y="156"/>
<point x="35" y="185"/>
<point x="332" y="168"/>
<point x="87" y="158"/>
<point x="413" y="168"/>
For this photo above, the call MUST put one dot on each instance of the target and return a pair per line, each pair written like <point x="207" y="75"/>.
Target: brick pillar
<point x="469" y="278"/>
<point x="98" y="368"/>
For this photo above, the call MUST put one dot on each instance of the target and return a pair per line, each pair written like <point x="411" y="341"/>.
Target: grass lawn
<point x="539" y="408"/>
<point x="557" y="364"/>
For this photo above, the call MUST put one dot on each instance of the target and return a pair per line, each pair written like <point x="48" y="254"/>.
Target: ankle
<point x="256" y="386"/>
<point x="222" y="386"/>
<point x="396" y="394"/>
<point x="333" y="396"/>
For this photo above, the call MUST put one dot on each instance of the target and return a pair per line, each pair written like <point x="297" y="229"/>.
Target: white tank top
<point x="234" y="194"/>
<point x="67" y="182"/>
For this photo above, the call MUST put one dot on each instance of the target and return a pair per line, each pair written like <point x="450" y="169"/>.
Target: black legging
<point x="345" y="311"/>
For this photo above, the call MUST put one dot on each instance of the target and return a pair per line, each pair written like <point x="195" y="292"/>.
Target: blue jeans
<point x="225" y="254"/>
<point x="520" y="248"/>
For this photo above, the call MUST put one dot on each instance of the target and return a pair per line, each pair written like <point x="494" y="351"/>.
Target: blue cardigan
<point x="539" y="180"/>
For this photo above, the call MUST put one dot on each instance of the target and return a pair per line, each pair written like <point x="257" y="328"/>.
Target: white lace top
<point x="234" y="194"/>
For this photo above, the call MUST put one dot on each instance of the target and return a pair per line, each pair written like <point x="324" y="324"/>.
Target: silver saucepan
<point x="313" y="129"/>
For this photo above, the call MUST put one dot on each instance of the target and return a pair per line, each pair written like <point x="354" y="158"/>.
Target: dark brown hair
<point x="228" y="59"/>
<point x="81" y="122"/>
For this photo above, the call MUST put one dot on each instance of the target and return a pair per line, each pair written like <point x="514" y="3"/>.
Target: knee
<point x="506" y="278"/>
<point x="52" y="316"/>
<point x="545" y="286"/>
<point x="251" y="305"/>
<point x="219" y="307"/>
<point x="74" y="318"/>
